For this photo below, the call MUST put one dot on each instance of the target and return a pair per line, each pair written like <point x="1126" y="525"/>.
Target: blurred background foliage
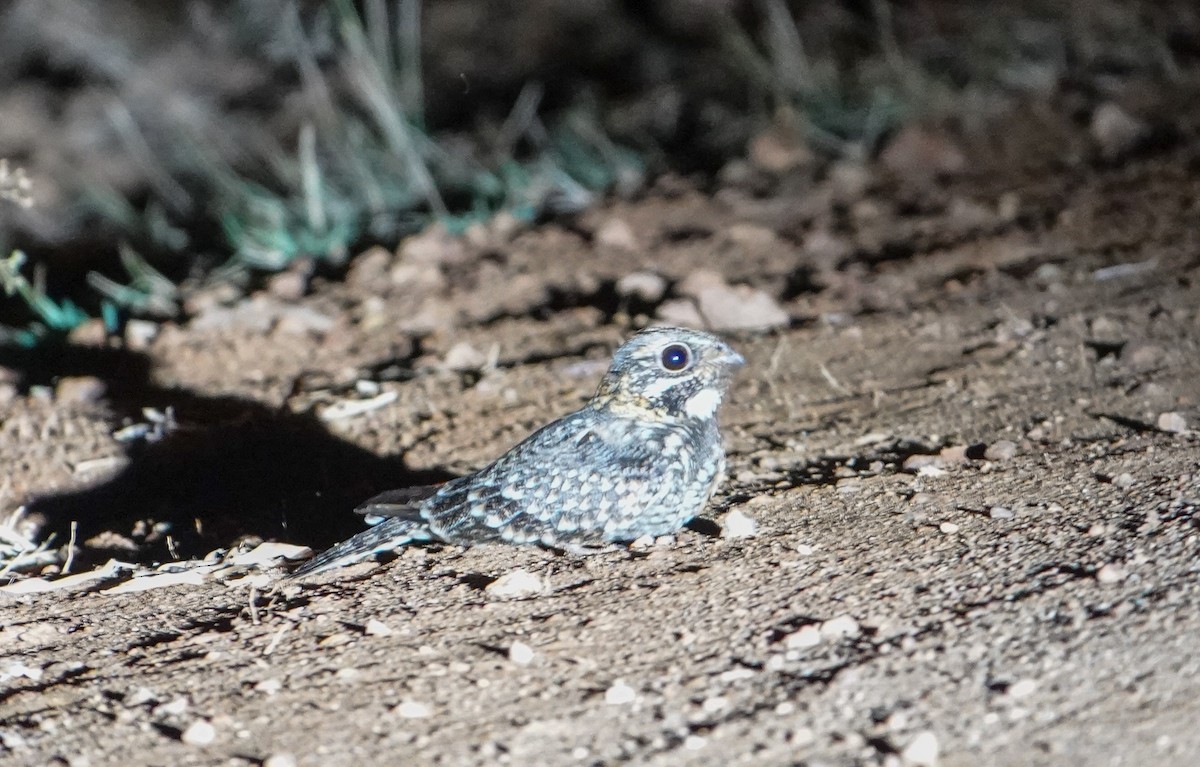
<point x="152" y="148"/>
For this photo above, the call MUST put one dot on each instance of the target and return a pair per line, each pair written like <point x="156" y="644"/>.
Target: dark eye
<point x="676" y="357"/>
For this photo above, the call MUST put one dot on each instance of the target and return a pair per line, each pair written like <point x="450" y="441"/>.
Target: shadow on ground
<point x="230" y="467"/>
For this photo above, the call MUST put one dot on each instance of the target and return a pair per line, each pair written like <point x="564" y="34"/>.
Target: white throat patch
<point x="703" y="404"/>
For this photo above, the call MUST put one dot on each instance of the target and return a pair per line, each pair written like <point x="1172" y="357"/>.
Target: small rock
<point x="780" y="148"/>
<point x="301" y="320"/>
<point x="694" y="742"/>
<point x="955" y="454"/>
<point x="89" y="333"/>
<point x="619" y="694"/>
<point x="616" y="234"/>
<point x="1000" y="512"/>
<point x="751" y="236"/>
<point x="367" y="270"/>
<point x="411" y="709"/>
<point x="644" y="286"/>
<point x="1116" y="132"/>
<point x="1172" y="422"/>
<point x="516" y="585"/>
<point x="681" y="312"/>
<point x="336" y="640"/>
<point x="1123" y="480"/>
<point x="1022" y="688"/>
<point x="843" y="626"/>
<point x="199" y="733"/>
<point x="1000" y="450"/>
<point x="801" y="737"/>
<point x="918" y="461"/>
<point x="292" y="284"/>
<point x="920" y="155"/>
<point x="520" y="653"/>
<point x="738" y="524"/>
<point x="139" y="334"/>
<point x="463" y="357"/>
<point x="79" y="390"/>
<point x="269" y="686"/>
<point x="282" y="759"/>
<point x="1110" y="573"/>
<point x="849" y="180"/>
<point x="740" y="307"/>
<point x="173" y="707"/>
<point x="435" y="245"/>
<point x="949" y="528"/>
<point x="922" y="751"/>
<point x="377" y="628"/>
<point x="806" y="636"/>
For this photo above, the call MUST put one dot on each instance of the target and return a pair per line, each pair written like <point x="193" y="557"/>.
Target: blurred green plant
<point x="53" y="316"/>
<point x="364" y="166"/>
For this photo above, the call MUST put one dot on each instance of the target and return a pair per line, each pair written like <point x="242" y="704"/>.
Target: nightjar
<point x="640" y="458"/>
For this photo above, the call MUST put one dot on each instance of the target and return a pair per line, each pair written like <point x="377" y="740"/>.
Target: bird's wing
<point x="563" y="482"/>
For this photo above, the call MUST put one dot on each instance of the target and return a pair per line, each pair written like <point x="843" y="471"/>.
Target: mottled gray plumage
<point x="642" y="457"/>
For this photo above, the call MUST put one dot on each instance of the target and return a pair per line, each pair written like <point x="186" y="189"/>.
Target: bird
<point x="641" y="458"/>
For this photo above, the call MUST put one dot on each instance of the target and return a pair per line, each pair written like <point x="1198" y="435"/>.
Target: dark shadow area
<point x="229" y="468"/>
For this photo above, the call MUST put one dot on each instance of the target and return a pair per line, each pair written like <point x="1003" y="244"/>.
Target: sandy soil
<point x="977" y="516"/>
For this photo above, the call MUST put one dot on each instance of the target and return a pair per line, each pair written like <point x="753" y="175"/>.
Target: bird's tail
<point x="392" y="533"/>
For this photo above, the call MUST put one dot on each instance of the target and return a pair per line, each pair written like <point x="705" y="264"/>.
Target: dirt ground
<point x="970" y="455"/>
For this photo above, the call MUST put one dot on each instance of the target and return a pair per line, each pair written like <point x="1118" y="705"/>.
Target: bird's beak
<point x="731" y="359"/>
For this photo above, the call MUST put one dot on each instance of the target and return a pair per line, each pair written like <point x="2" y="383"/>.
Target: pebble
<point x="802" y="736"/>
<point x="738" y="524"/>
<point x="1022" y="688"/>
<point x="1110" y="573"/>
<point x="1000" y="512"/>
<point x="369" y="267"/>
<point x="680" y="312"/>
<point x="949" y="528"/>
<point x="79" y="390"/>
<point x="1000" y="450"/>
<point x="435" y="245"/>
<point x="1123" y="480"/>
<point x="291" y="284"/>
<point x="411" y="709"/>
<point x="616" y="234"/>
<point x="955" y="454"/>
<point x="806" y="636"/>
<point x="780" y="148"/>
<point x="139" y="334"/>
<point x="918" y="461"/>
<point x="1172" y="422"/>
<point x="520" y="653"/>
<point x="199" y="733"/>
<point x="269" y="686"/>
<point x="463" y="357"/>
<point x="1115" y="131"/>
<point x="843" y="626"/>
<point x="619" y="694"/>
<point x="282" y="759"/>
<point x="739" y="307"/>
<point x="516" y="585"/>
<point x="646" y="286"/>
<point x="378" y="628"/>
<point x="922" y="751"/>
<point x="695" y="742"/>
<point x="918" y="155"/>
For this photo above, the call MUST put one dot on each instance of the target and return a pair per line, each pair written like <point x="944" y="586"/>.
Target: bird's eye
<point x="676" y="357"/>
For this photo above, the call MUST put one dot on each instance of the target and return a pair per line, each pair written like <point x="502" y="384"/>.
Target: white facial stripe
<point x="658" y="387"/>
<point x="703" y="404"/>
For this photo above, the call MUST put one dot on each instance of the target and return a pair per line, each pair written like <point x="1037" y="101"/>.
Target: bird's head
<point x="670" y="371"/>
